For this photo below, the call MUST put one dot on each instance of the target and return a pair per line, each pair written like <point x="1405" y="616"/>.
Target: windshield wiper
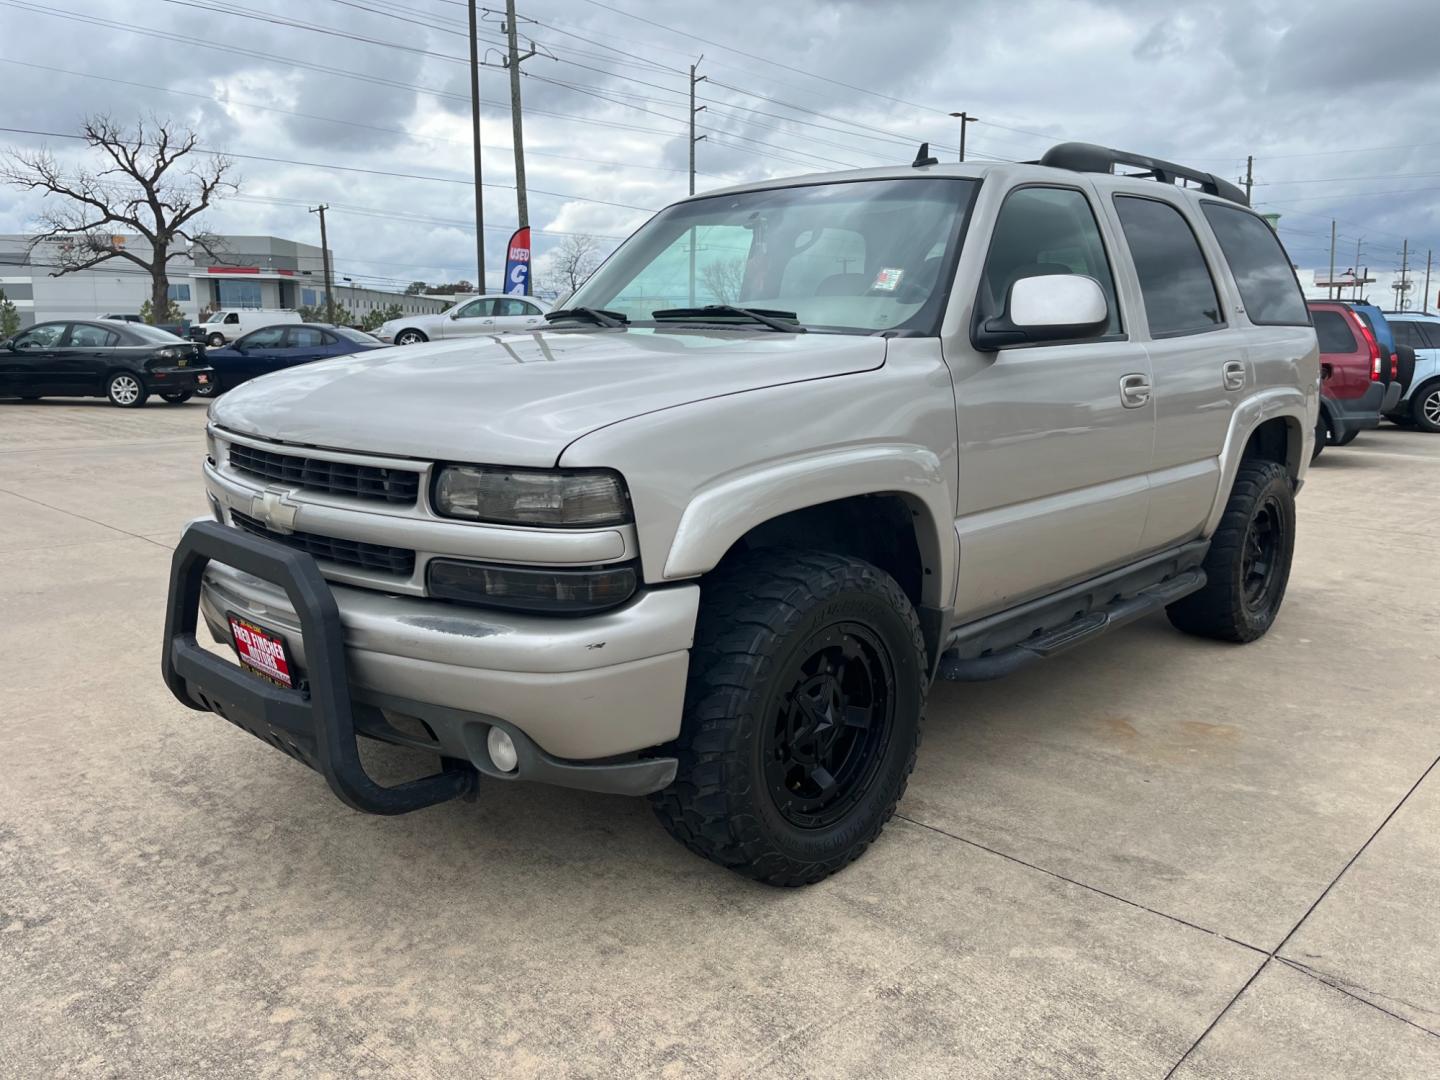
<point x="786" y="321"/>
<point x="599" y="316"/>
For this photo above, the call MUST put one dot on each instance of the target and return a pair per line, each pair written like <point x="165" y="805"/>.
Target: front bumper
<point x="436" y="675"/>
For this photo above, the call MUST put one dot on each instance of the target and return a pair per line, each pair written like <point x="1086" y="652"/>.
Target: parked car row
<point x="129" y="362"/>
<point x="1375" y="366"/>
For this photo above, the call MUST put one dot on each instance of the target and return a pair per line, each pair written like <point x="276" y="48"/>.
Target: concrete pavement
<point x="1153" y="856"/>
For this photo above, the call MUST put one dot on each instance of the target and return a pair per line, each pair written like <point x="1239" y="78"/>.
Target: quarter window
<point x="1043" y="231"/>
<point x="1175" y="283"/>
<point x="1262" y="271"/>
<point x="1334" y="333"/>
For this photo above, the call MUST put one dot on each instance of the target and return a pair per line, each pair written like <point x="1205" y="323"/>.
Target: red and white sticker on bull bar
<point x="261" y="651"/>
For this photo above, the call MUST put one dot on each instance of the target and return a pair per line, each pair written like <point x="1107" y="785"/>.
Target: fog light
<point x="502" y="750"/>
<point x="522" y="588"/>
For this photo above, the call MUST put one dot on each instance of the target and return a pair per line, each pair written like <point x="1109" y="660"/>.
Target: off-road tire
<point x="759" y="617"/>
<point x="177" y="398"/>
<point x="126" y="390"/>
<point x="1426" y="399"/>
<point x="1223" y="609"/>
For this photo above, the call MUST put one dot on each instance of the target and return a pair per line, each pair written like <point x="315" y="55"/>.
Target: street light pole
<point x="475" y="145"/>
<point x="965" y="120"/>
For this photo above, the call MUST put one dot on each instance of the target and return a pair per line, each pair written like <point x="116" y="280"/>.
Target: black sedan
<point x="274" y="348"/>
<point x="125" y="362"/>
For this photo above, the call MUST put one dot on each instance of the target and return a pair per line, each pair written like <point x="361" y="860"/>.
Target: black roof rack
<point x="1087" y="157"/>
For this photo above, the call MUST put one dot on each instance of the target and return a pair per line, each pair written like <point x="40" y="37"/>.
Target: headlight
<point x="568" y="499"/>
<point x="524" y="588"/>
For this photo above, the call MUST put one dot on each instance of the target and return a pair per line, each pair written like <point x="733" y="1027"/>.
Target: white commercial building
<point x="250" y="272"/>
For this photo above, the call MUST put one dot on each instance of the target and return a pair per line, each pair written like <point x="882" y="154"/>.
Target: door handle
<point x="1134" y="391"/>
<point x="1233" y="375"/>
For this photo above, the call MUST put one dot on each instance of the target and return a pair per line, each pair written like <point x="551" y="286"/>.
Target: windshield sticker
<point x="888" y="279"/>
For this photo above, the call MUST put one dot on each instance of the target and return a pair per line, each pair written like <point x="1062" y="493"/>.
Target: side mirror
<point x="1049" y="307"/>
<point x="455" y="316"/>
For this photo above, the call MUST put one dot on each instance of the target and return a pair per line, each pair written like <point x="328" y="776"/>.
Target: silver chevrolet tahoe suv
<point x="796" y="449"/>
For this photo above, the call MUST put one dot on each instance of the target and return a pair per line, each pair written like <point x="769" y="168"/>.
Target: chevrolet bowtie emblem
<point x="271" y="508"/>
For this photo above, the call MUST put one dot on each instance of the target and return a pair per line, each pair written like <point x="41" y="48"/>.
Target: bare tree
<point x="155" y="182"/>
<point x="576" y="259"/>
<point x="724" y="277"/>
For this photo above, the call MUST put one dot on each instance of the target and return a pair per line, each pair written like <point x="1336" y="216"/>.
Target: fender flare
<point x="729" y="507"/>
<point x="1288" y="402"/>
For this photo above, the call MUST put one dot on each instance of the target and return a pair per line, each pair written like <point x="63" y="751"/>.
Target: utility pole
<point x="694" y="112"/>
<point x="475" y="145"/>
<point x="1356" y="281"/>
<point x="512" y="61"/>
<point x="693" y="137"/>
<point x="1330" y="281"/>
<point x="965" y="121"/>
<point x="1404" y="269"/>
<point x="325" y="260"/>
<point x="1249" y="176"/>
<point x="1425" y="300"/>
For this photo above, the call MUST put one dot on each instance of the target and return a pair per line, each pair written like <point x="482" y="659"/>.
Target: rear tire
<point x="802" y="717"/>
<point x="216" y="341"/>
<point x="210" y="389"/>
<point x="1248" y="565"/>
<point x="410" y="337"/>
<point x="1322" y="436"/>
<point x="125" y="390"/>
<point x="1425" y="408"/>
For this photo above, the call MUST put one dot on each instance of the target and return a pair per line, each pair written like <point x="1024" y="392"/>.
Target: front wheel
<point x="1248" y="564"/>
<point x="410" y="337"/>
<point x="209" y="389"/>
<point x="126" y="390"/>
<point x="802" y="717"/>
<point x="177" y="398"/>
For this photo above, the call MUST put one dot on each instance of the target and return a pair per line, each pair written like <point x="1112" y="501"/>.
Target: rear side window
<point x="92" y="337"/>
<point x="1334" y="332"/>
<point x="1179" y="293"/>
<point x="305" y="337"/>
<point x="1414" y="335"/>
<point x="1044" y="231"/>
<point x="1262" y="271"/>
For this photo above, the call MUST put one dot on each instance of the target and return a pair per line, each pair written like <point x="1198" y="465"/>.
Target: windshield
<point x="853" y="257"/>
<point x="218" y="316"/>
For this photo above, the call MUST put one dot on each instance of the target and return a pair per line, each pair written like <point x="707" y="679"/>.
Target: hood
<point x="521" y="398"/>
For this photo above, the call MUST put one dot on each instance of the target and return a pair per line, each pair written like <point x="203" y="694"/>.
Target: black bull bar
<point x="314" y="723"/>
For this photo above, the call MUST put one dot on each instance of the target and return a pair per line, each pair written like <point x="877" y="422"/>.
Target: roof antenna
<point x="923" y="157"/>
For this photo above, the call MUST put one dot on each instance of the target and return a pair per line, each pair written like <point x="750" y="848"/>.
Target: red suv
<point x="1354" y="374"/>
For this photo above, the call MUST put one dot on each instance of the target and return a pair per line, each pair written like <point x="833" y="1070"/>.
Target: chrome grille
<point x="397" y="486"/>
<point x="378" y="557"/>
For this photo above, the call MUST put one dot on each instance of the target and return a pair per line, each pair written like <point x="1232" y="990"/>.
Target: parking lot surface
<point x="1151" y="856"/>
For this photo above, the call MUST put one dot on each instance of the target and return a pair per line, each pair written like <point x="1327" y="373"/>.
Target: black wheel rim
<point x="1260" y="561"/>
<point x="827" y="738"/>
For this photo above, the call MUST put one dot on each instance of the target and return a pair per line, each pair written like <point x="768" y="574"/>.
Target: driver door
<point x="475" y="318"/>
<point x="29" y="361"/>
<point x="1055" y="437"/>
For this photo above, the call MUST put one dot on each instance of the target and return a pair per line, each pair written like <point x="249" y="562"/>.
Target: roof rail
<point x="1087" y="157"/>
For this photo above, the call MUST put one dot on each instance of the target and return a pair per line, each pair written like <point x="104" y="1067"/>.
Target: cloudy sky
<point x="1340" y="123"/>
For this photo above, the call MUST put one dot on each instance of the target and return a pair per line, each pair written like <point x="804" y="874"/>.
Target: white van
<point x="227" y="324"/>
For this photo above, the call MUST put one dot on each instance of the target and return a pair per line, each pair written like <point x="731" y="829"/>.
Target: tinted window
<point x="305" y="337"/>
<point x="85" y="336"/>
<point x="144" y="334"/>
<point x="1431" y="331"/>
<point x="44" y="336"/>
<point x="1262" y="270"/>
<point x="1409" y="333"/>
<point x="272" y="337"/>
<point x="1333" y="330"/>
<point x="1179" y="294"/>
<point x="357" y="336"/>
<point x="477" y="309"/>
<point x="1044" y="231"/>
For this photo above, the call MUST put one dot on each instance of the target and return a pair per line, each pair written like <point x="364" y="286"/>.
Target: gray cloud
<point x="1298" y="88"/>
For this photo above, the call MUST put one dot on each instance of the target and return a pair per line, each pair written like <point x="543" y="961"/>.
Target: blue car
<point x="274" y="348"/>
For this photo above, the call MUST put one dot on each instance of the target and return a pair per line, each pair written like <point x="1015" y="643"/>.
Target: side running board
<point x="1047" y="643"/>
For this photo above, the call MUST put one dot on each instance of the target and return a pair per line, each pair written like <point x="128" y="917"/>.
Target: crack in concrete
<point x="1301" y="922"/>
<point x="82" y="517"/>
<point x="1344" y="986"/>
